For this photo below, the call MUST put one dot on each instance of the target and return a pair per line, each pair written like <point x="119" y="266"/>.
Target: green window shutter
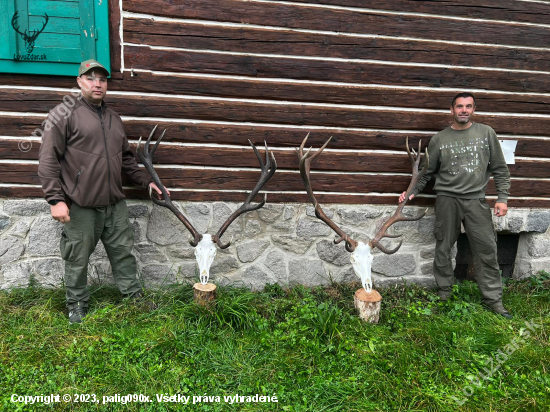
<point x="53" y="36"/>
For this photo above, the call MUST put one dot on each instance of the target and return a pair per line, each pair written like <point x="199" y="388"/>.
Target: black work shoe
<point x="499" y="309"/>
<point x="444" y="295"/>
<point x="77" y="314"/>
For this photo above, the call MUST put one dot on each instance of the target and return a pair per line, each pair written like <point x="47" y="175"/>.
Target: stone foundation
<point x="282" y="244"/>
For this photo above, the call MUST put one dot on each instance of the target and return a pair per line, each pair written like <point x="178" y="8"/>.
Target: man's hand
<point x="402" y="197"/>
<point x="501" y="209"/>
<point x="60" y="212"/>
<point x="153" y="186"/>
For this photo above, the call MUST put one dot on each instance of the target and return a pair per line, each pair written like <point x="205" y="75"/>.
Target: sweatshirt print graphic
<point x="464" y="155"/>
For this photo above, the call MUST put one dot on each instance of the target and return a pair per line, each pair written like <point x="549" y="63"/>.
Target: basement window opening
<point x="507" y="247"/>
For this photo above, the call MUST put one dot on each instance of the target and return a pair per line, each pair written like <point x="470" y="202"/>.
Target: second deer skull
<point x="361" y="257"/>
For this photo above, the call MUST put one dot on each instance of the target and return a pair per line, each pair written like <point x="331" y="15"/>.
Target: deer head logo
<point x="28" y="36"/>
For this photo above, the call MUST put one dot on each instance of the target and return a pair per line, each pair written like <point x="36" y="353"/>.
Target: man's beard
<point x="462" y="120"/>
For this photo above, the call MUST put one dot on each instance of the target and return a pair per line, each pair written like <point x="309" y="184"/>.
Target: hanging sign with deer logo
<point x="29" y="37"/>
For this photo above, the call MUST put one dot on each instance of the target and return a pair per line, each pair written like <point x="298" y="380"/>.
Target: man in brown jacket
<point x="83" y="153"/>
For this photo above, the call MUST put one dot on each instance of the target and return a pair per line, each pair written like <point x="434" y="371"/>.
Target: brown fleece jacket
<point x="83" y="154"/>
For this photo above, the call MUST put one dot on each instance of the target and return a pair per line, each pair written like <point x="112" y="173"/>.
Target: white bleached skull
<point x="205" y="253"/>
<point x="361" y="259"/>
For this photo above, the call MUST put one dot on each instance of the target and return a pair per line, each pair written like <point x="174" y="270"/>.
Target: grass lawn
<point x="306" y="347"/>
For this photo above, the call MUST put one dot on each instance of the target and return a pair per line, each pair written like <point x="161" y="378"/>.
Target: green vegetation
<point x="305" y="346"/>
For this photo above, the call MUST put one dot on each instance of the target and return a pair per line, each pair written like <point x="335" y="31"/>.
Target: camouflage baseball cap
<point x="91" y="64"/>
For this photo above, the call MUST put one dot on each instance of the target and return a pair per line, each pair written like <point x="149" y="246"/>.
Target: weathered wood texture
<point x="346" y="21"/>
<point x="114" y="37"/>
<point x="144" y="57"/>
<point x="507" y="10"/>
<point x="204" y="295"/>
<point x="368" y="73"/>
<point x="288" y="136"/>
<point x="243" y="180"/>
<point x="285" y="42"/>
<point x="270" y="112"/>
<point x="244" y="158"/>
<point x="266" y="89"/>
<point x="25" y="191"/>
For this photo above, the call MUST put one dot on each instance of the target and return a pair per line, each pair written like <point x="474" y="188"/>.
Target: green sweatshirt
<point x="465" y="159"/>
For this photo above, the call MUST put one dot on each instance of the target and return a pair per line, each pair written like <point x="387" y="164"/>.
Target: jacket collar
<point x="91" y="106"/>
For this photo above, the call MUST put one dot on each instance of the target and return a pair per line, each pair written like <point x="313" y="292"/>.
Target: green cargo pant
<point x="475" y="215"/>
<point x="79" y="239"/>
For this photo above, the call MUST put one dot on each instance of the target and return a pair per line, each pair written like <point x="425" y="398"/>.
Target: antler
<point x="305" y="163"/>
<point x="35" y="33"/>
<point x="14" y="21"/>
<point x="397" y="215"/>
<point x="267" y="171"/>
<point x="146" y="158"/>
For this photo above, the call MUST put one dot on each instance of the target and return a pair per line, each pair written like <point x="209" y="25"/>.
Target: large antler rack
<point x="146" y="158"/>
<point x="268" y="169"/>
<point x="398" y="215"/>
<point x="28" y="34"/>
<point x="305" y="164"/>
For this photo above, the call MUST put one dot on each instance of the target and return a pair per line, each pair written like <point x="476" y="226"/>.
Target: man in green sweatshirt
<point x="464" y="155"/>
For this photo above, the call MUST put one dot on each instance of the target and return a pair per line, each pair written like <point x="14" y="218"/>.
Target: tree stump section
<point x="204" y="294"/>
<point x="368" y="305"/>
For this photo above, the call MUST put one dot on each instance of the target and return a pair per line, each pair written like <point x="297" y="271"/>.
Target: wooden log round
<point x="368" y="305"/>
<point x="204" y="294"/>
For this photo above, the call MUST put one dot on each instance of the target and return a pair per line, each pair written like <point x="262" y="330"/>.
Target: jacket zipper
<point x="110" y="119"/>
<point x="106" y="152"/>
<point x="76" y="181"/>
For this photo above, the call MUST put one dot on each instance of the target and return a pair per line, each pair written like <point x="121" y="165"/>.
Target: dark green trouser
<point x="79" y="239"/>
<point x="475" y="214"/>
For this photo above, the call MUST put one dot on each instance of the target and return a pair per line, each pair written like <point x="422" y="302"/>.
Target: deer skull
<point x="361" y="260"/>
<point x="205" y="252"/>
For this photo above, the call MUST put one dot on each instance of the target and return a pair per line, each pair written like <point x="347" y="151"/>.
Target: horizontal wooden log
<point x="322" y="93"/>
<point x="11" y="149"/>
<point x="345" y="21"/>
<point x="20" y="173"/>
<point x="15" y="79"/>
<point x="275" y="136"/>
<point x="293" y="137"/>
<point x="289" y="91"/>
<point x="507" y="10"/>
<point x="198" y="36"/>
<point x="241" y="158"/>
<point x="27" y="192"/>
<point x="238" y="111"/>
<point x="142" y="57"/>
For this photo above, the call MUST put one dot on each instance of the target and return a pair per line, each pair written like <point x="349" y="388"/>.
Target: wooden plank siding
<point x="197" y="84"/>
<point x="243" y="180"/>
<point x="348" y="20"/>
<point x="217" y="73"/>
<point x="263" y="111"/>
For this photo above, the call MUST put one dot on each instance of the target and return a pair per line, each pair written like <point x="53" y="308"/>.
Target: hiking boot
<point x="499" y="309"/>
<point x="444" y="295"/>
<point x="77" y="315"/>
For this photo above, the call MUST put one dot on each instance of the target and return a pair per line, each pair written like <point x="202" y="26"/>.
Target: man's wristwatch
<point x="54" y="202"/>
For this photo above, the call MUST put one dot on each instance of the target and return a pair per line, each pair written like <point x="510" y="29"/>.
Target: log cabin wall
<point x="217" y="73"/>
